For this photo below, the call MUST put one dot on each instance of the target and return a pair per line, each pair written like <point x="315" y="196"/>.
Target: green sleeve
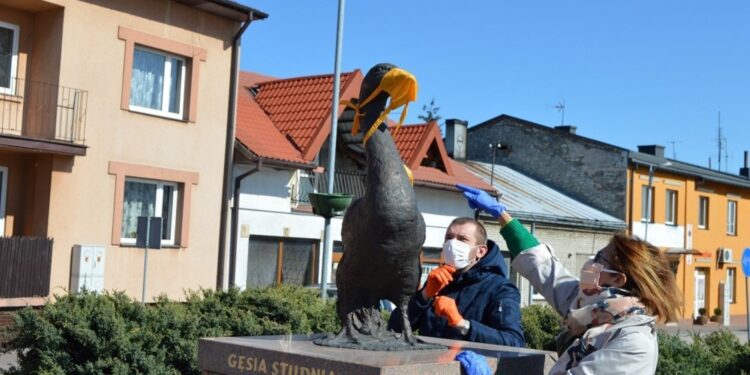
<point x="517" y="237"/>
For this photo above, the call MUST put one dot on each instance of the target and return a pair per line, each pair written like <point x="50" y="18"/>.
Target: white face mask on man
<point x="456" y="253"/>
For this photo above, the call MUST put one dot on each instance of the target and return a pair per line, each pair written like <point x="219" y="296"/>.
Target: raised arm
<point x="534" y="261"/>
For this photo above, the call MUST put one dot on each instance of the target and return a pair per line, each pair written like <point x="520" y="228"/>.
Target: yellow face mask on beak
<point x="402" y="88"/>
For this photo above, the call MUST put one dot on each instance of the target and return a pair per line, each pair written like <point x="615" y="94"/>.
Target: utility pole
<point x="328" y="238"/>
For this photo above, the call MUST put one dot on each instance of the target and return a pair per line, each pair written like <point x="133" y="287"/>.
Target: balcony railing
<point x="43" y="111"/>
<point x="347" y="182"/>
<point x="25" y="265"/>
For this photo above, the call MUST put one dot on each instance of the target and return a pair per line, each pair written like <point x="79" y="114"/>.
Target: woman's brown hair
<point x="649" y="276"/>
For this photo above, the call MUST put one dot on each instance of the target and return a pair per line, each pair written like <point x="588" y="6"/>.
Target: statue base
<point x="298" y="355"/>
<point x="389" y="341"/>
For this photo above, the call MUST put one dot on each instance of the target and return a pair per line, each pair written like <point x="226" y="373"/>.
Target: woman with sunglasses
<point x="610" y="310"/>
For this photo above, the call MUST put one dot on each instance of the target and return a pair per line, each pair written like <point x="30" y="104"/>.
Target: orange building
<point x="696" y="215"/>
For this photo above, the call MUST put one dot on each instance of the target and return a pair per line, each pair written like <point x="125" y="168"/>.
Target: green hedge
<point x="541" y="325"/>
<point x="718" y="353"/>
<point x="113" y="334"/>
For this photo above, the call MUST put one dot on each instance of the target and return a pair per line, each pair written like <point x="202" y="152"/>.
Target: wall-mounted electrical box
<point x="88" y="268"/>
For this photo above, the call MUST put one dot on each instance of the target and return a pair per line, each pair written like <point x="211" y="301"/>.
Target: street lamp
<point x="649" y="195"/>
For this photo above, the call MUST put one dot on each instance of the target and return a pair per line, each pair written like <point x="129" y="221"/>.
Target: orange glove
<point x="446" y="307"/>
<point x="437" y="280"/>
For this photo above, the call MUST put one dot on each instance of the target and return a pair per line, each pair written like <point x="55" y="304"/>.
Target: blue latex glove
<point x="473" y="363"/>
<point x="480" y="200"/>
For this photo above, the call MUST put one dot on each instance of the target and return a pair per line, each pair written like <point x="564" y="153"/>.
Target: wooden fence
<point x="25" y="264"/>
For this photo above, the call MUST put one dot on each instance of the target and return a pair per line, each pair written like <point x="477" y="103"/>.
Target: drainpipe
<point x="229" y="148"/>
<point x="236" y="219"/>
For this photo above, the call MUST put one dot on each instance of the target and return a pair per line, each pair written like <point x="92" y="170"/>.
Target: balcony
<point x="346" y="182"/>
<point x="43" y="117"/>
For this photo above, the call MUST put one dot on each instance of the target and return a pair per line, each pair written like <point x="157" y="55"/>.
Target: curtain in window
<point x="147" y="79"/>
<point x="140" y="200"/>
<point x="6" y="56"/>
<point x="262" y="262"/>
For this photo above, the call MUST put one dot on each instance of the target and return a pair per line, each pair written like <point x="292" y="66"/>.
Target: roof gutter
<point x="451" y="188"/>
<point x="252" y="159"/>
<point x="572" y="222"/>
<point x="229" y="146"/>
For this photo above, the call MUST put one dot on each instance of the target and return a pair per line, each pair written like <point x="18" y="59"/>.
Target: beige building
<point x="111" y="110"/>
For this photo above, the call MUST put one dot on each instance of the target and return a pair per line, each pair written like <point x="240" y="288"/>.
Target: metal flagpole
<point x="328" y="240"/>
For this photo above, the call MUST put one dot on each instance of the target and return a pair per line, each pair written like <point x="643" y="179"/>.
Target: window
<point x="732" y="217"/>
<point x="160" y="75"/>
<point x="275" y="261"/>
<point x="671" y="214"/>
<point x="338" y="252"/>
<point x="432" y="255"/>
<point x="703" y="212"/>
<point x="3" y="188"/>
<point x="731" y="282"/>
<point x="157" y="83"/>
<point x="647" y="204"/>
<point x="430" y="258"/>
<point x="149" y="198"/>
<point x="8" y="57"/>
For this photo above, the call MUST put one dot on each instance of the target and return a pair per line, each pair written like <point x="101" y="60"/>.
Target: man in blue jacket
<point x="469" y="297"/>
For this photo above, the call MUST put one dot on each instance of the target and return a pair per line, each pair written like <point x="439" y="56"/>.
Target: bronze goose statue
<point x="383" y="231"/>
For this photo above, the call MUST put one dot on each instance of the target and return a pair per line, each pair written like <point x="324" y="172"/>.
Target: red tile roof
<point x="301" y="107"/>
<point x="408" y="139"/>
<point x="289" y="120"/>
<point x="255" y="129"/>
<point x="413" y="143"/>
<point x="461" y="176"/>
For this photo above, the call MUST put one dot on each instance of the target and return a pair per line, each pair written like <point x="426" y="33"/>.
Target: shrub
<point x="717" y="311"/>
<point x="702" y="311"/>
<point x="114" y="334"/>
<point x="719" y="353"/>
<point x="541" y="325"/>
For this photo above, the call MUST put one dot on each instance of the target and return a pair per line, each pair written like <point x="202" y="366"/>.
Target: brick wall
<point x="591" y="172"/>
<point x="6" y="320"/>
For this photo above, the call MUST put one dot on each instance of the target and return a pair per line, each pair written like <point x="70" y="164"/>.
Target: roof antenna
<point x="674" y="152"/>
<point x="561" y="108"/>
<point x="721" y="143"/>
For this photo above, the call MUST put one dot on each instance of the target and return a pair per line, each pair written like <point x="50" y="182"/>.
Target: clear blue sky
<point x="630" y="73"/>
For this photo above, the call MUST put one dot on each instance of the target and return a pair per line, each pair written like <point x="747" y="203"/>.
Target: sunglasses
<point x="599" y="257"/>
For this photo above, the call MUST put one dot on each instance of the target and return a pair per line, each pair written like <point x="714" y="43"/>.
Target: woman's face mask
<point x="590" y="273"/>
<point x="456" y="253"/>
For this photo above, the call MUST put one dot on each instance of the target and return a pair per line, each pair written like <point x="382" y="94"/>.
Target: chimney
<point x="656" y="150"/>
<point x="455" y="138"/>
<point x="567" y="128"/>
<point x="745" y="171"/>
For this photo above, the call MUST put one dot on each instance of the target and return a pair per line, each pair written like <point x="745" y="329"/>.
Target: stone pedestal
<point x="297" y="355"/>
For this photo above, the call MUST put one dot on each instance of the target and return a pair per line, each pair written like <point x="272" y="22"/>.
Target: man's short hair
<point x="481" y="232"/>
